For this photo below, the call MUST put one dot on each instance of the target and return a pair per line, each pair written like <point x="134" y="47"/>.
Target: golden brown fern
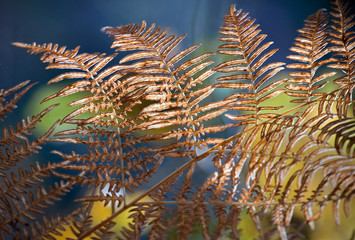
<point x="310" y="47"/>
<point x="147" y="125"/>
<point x="342" y="39"/>
<point x="250" y="78"/>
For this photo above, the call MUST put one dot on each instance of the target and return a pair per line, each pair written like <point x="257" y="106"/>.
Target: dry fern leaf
<point x="116" y="156"/>
<point x="249" y="77"/>
<point x="341" y="41"/>
<point x="324" y="153"/>
<point x="6" y="107"/>
<point x="107" y="105"/>
<point x="252" y="82"/>
<point x="272" y="163"/>
<point x="310" y="47"/>
<point x="149" y="110"/>
<point x="342" y="38"/>
<point x="22" y="196"/>
<point x="52" y="226"/>
<point x="310" y="148"/>
<point x="308" y="152"/>
<point x="168" y="85"/>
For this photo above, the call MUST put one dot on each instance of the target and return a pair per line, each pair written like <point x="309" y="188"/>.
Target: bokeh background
<point x="77" y="22"/>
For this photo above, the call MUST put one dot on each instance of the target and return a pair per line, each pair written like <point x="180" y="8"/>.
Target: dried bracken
<point x="153" y="110"/>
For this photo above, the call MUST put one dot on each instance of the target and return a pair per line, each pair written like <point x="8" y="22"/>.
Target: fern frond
<point x="310" y="47"/>
<point x="83" y="221"/>
<point x="151" y="76"/>
<point x="342" y="39"/>
<point x="176" y="104"/>
<point x="307" y="154"/>
<point x="51" y="227"/>
<point x="145" y="125"/>
<point x="5" y="108"/>
<point x="26" y="208"/>
<point x="249" y="77"/>
<point x="15" y="150"/>
<point x="343" y="131"/>
<point x="20" y="202"/>
<point x="160" y="224"/>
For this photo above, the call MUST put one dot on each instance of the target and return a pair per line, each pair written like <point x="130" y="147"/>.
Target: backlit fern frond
<point x="149" y="151"/>
<point x="317" y="158"/>
<point x="249" y="77"/>
<point x="310" y="47"/>
<point x="131" y="102"/>
<point x="342" y="37"/>
<point x="169" y="84"/>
